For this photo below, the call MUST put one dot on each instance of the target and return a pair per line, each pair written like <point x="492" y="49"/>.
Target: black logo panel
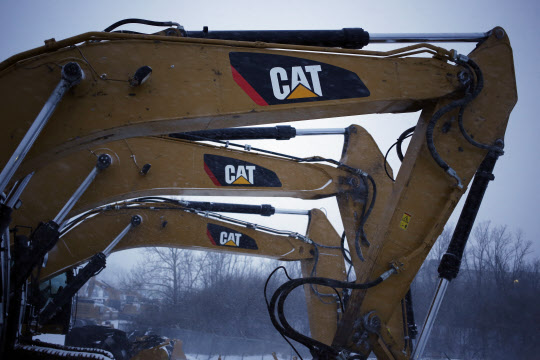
<point x="225" y="171"/>
<point x="222" y="236"/>
<point x="278" y="79"/>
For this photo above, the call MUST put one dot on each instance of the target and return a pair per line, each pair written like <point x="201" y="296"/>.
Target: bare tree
<point x="165" y="273"/>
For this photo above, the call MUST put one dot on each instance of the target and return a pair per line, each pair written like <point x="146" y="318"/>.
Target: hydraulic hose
<point x="140" y="21"/>
<point x="284" y="290"/>
<point x="400" y="139"/>
<point x="444" y="110"/>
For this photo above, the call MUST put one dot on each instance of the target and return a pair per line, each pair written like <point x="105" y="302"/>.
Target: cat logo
<point x="229" y="239"/>
<point x="223" y="236"/>
<point x="271" y="79"/>
<point x="227" y="171"/>
<point x="294" y="84"/>
<point x="239" y="175"/>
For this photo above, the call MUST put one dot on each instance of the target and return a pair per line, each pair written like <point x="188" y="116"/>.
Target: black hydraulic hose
<point x="431" y="127"/>
<point x="276" y="325"/>
<point x="360" y="233"/>
<point x="445" y="109"/>
<point x="284" y="290"/>
<point x="127" y="32"/>
<point x="139" y="21"/>
<point x="372" y="203"/>
<point x="359" y="230"/>
<point x="347" y="258"/>
<point x="480" y="84"/>
<point x="404" y="135"/>
<point x="400" y="139"/>
<point x="385" y="162"/>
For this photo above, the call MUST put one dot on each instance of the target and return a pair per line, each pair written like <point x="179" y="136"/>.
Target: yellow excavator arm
<point x="122" y="126"/>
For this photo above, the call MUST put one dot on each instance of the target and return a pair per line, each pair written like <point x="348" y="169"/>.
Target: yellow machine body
<point x="196" y="85"/>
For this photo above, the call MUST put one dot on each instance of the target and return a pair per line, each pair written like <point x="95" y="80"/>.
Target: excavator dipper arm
<point x="319" y="251"/>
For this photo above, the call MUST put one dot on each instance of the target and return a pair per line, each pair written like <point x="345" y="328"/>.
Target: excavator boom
<point x="142" y="105"/>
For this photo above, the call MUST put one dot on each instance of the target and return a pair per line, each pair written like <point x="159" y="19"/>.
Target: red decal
<point x="247" y="88"/>
<point x="211" y="174"/>
<point x="210" y="237"/>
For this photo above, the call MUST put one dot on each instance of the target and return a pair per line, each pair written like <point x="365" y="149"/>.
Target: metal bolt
<point x="104" y="160"/>
<point x="372" y="322"/>
<point x="136" y="220"/>
<point x="72" y="72"/>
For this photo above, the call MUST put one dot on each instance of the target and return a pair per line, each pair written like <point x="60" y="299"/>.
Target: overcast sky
<point x="512" y="199"/>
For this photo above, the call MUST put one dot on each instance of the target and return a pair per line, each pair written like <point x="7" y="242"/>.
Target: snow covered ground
<point x="236" y="357"/>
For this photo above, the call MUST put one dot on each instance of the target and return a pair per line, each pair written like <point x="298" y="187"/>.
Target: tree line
<point x="490" y="310"/>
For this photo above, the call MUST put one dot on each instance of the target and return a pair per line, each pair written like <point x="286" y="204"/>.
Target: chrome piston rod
<point x="71" y="75"/>
<point x="103" y="162"/>
<point x="427" y="37"/>
<point x="329" y="131"/>
<point x="430" y="319"/>
<point x="136" y="220"/>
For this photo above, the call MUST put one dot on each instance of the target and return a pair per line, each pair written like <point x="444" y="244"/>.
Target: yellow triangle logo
<point x="241" y="181"/>
<point x="230" y="243"/>
<point x="301" y="92"/>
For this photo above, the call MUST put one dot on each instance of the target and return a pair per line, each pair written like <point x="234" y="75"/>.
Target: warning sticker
<point x="405" y="219"/>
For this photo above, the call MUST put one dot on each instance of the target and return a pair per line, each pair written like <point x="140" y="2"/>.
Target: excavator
<point x="106" y="133"/>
